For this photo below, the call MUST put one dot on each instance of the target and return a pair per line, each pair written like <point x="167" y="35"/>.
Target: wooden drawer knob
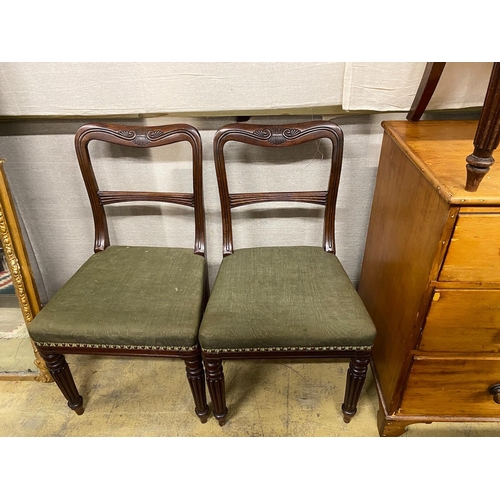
<point x="495" y="390"/>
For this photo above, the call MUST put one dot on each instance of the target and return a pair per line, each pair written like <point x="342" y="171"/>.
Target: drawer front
<point x="463" y="321"/>
<point x="474" y="251"/>
<point x="452" y="387"/>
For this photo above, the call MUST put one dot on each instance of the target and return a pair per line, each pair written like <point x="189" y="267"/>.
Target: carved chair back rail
<point x="140" y="137"/>
<point x="279" y="136"/>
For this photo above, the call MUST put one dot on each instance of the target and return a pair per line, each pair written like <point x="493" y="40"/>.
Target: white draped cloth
<point x="211" y="88"/>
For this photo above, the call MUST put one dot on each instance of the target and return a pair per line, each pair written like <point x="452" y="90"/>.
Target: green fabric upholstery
<point x="132" y="296"/>
<point x="284" y="297"/>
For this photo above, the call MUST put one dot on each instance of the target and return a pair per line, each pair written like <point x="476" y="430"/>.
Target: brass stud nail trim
<point x="299" y="349"/>
<point x="113" y="346"/>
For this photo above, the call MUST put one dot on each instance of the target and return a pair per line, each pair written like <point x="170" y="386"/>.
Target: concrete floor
<point x="150" y="397"/>
<point x="16" y="351"/>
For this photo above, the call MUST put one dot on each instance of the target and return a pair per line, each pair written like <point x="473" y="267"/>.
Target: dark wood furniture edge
<point x="425" y="91"/>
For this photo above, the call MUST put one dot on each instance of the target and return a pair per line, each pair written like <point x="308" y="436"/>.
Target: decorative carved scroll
<point x="277" y="134"/>
<point x="143" y="136"/>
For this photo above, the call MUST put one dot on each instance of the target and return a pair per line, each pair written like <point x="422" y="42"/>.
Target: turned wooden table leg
<point x="487" y="135"/>
<point x="59" y="369"/>
<point x="216" y="388"/>
<point x="356" y="375"/>
<point x="196" y="378"/>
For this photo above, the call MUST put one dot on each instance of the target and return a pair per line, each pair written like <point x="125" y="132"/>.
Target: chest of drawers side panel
<point x="406" y="223"/>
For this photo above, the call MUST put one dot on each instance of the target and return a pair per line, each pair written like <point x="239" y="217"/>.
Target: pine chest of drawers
<point x="431" y="279"/>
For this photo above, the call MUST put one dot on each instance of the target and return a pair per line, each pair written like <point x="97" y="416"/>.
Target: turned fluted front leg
<point x="487" y="135"/>
<point x="216" y="388"/>
<point x="59" y="369"/>
<point x="356" y="375"/>
<point x="196" y="378"/>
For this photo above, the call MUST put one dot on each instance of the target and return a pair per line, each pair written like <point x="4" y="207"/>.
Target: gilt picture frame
<point x="23" y="281"/>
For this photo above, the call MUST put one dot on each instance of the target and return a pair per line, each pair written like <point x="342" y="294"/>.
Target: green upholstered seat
<point x="284" y="297"/>
<point x="128" y="296"/>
